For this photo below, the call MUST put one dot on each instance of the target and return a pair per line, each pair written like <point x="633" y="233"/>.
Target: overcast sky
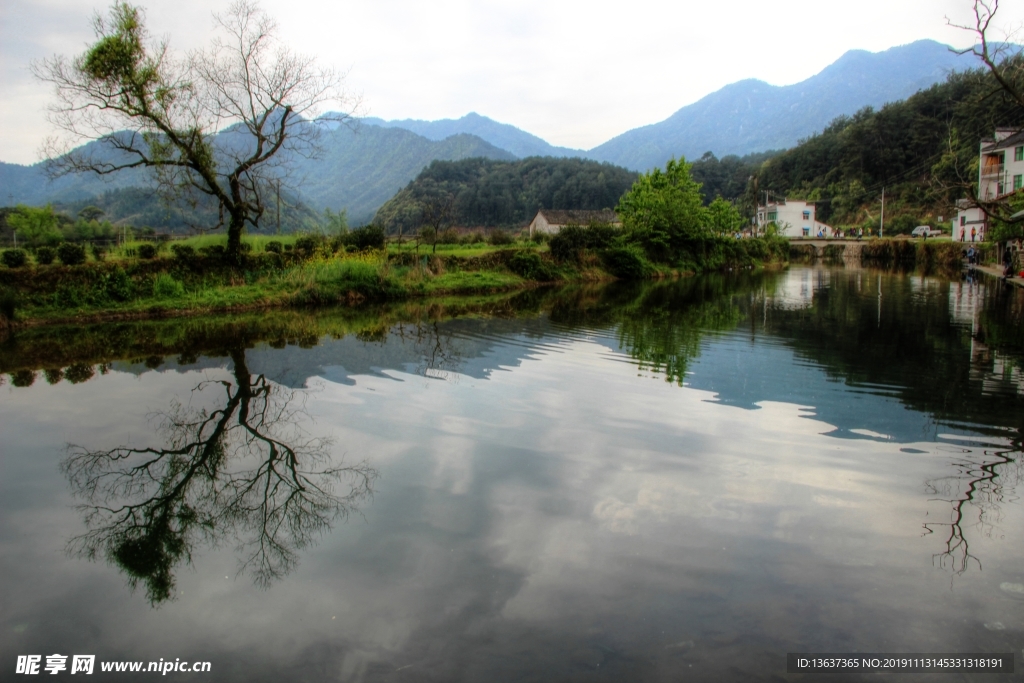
<point x="574" y="73"/>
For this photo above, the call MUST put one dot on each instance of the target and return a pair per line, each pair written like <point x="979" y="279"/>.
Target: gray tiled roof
<point x="1014" y="140"/>
<point x="579" y="216"/>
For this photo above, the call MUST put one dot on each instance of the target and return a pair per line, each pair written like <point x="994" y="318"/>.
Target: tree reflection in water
<point x="978" y="486"/>
<point x="244" y="473"/>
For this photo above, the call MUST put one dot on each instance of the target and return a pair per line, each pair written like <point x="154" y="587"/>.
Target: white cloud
<point x="574" y="73"/>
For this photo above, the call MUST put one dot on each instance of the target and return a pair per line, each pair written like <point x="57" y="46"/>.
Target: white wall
<point x="790" y="219"/>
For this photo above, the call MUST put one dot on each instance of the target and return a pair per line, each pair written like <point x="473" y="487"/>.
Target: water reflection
<point x="243" y="473"/>
<point x="839" y="471"/>
<point x="975" y="492"/>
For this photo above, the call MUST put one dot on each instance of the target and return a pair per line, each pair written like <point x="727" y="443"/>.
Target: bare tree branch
<point x="221" y="121"/>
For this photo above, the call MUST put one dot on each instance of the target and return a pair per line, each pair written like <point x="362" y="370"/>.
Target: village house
<point x="794" y="218"/>
<point x="551" y="221"/>
<point x="1000" y="172"/>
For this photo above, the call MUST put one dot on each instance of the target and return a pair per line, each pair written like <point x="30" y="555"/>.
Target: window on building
<point x="807" y="215"/>
<point x="773" y="216"/>
<point x="1018" y="182"/>
<point x="963" y="220"/>
<point x="807" y="232"/>
<point x="1018" y="153"/>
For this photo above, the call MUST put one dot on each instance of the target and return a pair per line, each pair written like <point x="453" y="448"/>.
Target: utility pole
<point x="881" y="224"/>
<point x="278" y="206"/>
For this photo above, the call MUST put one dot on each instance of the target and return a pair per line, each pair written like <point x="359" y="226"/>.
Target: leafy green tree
<point x="724" y="217"/>
<point x="34" y="226"/>
<point x="91" y="213"/>
<point x="663" y="210"/>
<point x="336" y="223"/>
<point x="150" y="109"/>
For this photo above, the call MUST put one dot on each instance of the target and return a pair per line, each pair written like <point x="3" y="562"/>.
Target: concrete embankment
<point x="996" y="271"/>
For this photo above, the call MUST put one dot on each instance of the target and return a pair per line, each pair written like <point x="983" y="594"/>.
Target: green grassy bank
<point x="134" y="283"/>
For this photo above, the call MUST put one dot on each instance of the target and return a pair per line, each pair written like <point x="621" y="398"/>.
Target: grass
<point x="125" y="287"/>
<point x="351" y="278"/>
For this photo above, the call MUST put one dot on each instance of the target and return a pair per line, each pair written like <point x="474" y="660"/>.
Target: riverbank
<point x="995" y="271"/>
<point x="190" y="283"/>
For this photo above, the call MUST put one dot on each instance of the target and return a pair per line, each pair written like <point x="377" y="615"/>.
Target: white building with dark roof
<point x="1000" y="172"/>
<point x="794" y="218"/>
<point x="551" y="221"/>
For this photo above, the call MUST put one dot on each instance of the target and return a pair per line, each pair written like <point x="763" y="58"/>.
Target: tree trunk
<point x="234" y="250"/>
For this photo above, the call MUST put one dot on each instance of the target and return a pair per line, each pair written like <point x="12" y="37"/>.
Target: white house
<point x="553" y="220"/>
<point x="969" y="222"/>
<point x="794" y="218"/>
<point x="1000" y="172"/>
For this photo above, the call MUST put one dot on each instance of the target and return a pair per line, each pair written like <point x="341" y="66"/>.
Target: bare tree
<point x="1000" y="58"/>
<point x="1004" y="61"/>
<point x="437" y="213"/>
<point x="212" y="123"/>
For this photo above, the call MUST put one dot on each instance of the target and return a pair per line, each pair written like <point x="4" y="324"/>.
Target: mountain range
<point x="742" y="118"/>
<point x="366" y="164"/>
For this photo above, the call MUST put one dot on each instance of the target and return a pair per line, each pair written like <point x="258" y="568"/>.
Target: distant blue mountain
<point x="358" y="171"/>
<point x="753" y="116"/>
<point x="501" y="135"/>
<point x="363" y="168"/>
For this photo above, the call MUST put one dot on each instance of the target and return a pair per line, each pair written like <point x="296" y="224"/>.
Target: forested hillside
<point x="358" y="171"/>
<point x="729" y="177"/>
<point x="920" y="150"/>
<point x="488" y="193"/>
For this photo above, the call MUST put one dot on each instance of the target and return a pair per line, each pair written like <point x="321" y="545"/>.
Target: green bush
<point x="307" y="244"/>
<point x="601" y="235"/>
<point x="568" y="243"/>
<point x="183" y="252"/>
<point x="71" y="254"/>
<point x="272" y="247"/>
<point x="45" y="255"/>
<point x="98" y="252"/>
<point x="147" y="251"/>
<point x="14" y="258"/>
<point x="473" y="238"/>
<point x="628" y="263"/>
<point x="118" y="285"/>
<point x="529" y="265"/>
<point x="449" y="236"/>
<point x="166" y="287"/>
<point x="214" y="250"/>
<point x="500" y="237"/>
<point x="367" y="237"/>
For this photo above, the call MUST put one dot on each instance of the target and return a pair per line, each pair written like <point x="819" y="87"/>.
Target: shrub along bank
<point x="318" y="271"/>
<point x="939" y="253"/>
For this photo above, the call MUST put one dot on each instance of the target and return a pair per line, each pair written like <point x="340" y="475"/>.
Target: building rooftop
<point x="1014" y="140"/>
<point x="579" y="216"/>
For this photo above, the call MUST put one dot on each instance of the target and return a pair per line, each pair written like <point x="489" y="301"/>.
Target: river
<point x="683" y="480"/>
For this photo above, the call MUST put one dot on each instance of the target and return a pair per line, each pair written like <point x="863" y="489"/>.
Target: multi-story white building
<point x="794" y="218"/>
<point x="1000" y="172"/>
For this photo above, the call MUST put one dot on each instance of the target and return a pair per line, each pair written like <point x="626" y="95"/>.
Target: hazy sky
<point x="574" y="73"/>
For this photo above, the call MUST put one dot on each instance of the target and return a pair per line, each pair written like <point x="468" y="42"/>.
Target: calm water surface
<point x="682" y="481"/>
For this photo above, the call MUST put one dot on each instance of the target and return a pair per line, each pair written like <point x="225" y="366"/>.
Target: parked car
<point x="925" y="231"/>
